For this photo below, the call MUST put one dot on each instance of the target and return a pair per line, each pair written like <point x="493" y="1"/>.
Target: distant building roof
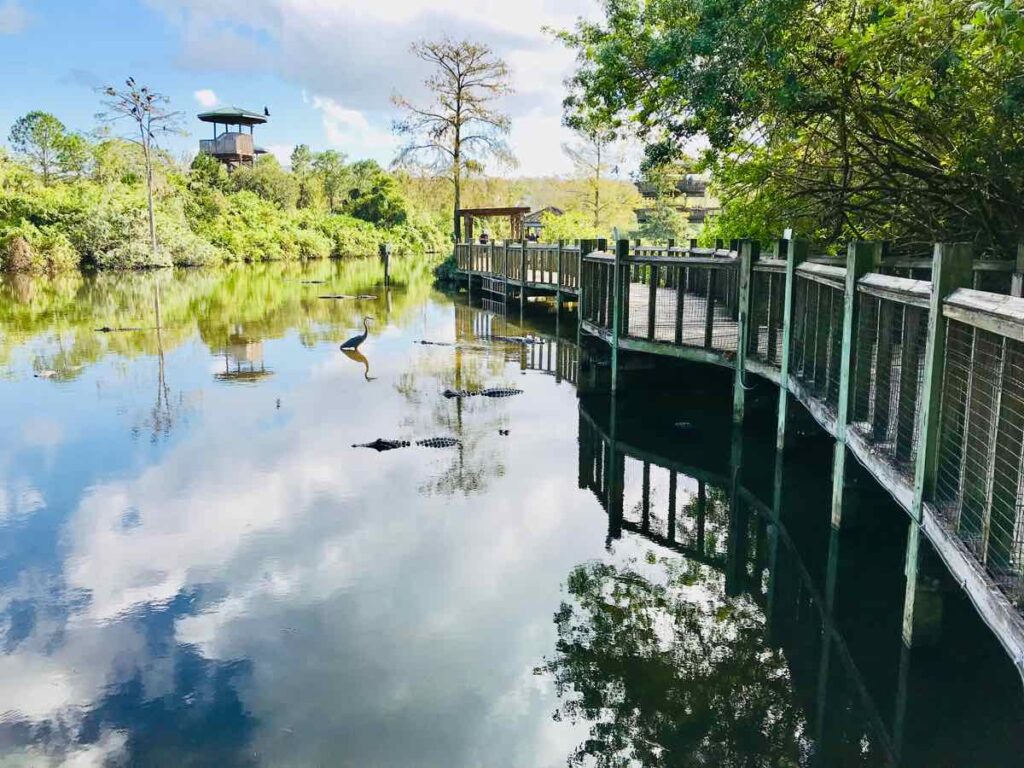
<point x="232" y="116"/>
<point x="534" y="219"/>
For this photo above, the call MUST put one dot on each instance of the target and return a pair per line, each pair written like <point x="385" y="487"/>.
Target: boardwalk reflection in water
<point x="748" y="636"/>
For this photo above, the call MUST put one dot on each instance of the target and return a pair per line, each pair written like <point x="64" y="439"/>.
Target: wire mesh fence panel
<point x="817" y="338"/>
<point x="865" y="358"/>
<point x="887" y="379"/>
<point x="680" y="304"/>
<point x="979" y="484"/>
<point x="767" y="296"/>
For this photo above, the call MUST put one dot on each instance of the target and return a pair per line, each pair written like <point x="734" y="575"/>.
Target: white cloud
<point x="355" y="56"/>
<point x="13" y="17"/>
<point x="350" y="130"/>
<point x="206" y="98"/>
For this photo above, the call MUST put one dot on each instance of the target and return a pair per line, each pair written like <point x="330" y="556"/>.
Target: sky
<point x="326" y="69"/>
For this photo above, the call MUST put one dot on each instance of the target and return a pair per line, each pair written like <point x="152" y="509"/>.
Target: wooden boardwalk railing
<point x="545" y="267"/>
<point x="922" y="381"/>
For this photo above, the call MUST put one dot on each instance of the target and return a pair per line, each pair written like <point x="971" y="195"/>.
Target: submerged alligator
<point x="382" y="444"/>
<point x="489" y="392"/>
<point x="347" y="296"/>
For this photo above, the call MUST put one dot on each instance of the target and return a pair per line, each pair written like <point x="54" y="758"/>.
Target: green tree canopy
<point x="269" y="180"/>
<point x="897" y="119"/>
<point x="330" y="168"/>
<point x="43" y="140"/>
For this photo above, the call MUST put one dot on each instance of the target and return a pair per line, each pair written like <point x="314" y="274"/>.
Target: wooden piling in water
<point x="750" y="251"/>
<point x="796" y="254"/>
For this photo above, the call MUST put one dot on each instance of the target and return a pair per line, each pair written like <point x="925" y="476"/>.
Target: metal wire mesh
<point x="979" y="487"/>
<point x="767" y="296"/>
<point x="596" y="277"/>
<point x="817" y="338"/>
<point x="890" y="347"/>
<point x="683" y="304"/>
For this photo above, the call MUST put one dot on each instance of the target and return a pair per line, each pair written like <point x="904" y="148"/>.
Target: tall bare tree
<point x="594" y="156"/>
<point x="462" y="126"/>
<point x="148" y="110"/>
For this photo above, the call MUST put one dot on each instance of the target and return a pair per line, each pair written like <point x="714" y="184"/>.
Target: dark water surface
<point x="197" y="568"/>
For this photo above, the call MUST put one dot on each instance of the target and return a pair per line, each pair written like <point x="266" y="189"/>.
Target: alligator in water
<point x="438" y="442"/>
<point x="517" y="339"/>
<point x="347" y="296"/>
<point x="380" y="444"/>
<point x="489" y="392"/>
<point x="500" y="392"/>
<point x="108" y="329"/>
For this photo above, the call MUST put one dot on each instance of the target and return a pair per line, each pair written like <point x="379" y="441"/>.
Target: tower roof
<point x="232" y="116"/>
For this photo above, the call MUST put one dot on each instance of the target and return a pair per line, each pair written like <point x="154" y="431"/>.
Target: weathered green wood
<point x="561" y="281"/>
<point x="709" y="308"/>
<point x="749" y="253"/>
<point x="522" y="280"/>
<point x="680" y="286"/>
<point x="861" y="258"/>
<point x="951" y="269"/>
<point x="1017" y="281"/>
<point x="774" y="300"/>
<point x="735" y="568"/>
<point x="652" y="298"/>
<point x="796" y="254"/>
<point x="621" y="251"/>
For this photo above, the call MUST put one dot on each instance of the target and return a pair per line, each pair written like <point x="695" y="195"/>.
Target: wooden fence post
<point x="750" y="251"/>
<point x="861" y="258"/>
<point x="621" y="250"/>
<point x="1017" y="281"/>
<point x="558" y="285"/>
<point x="952" y="268"/>
<point x="796" y="255"/>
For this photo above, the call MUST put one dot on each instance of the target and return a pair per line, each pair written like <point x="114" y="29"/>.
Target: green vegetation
<point x="68" y="202"/>
<point x="55" y="318"/>
<point x="890" y="119"/>
<point x="666" y="674"/>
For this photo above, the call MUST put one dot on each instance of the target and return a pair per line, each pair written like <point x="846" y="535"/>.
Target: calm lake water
<point x="197" y="568"/>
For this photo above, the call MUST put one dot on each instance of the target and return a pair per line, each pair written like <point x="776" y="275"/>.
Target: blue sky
<point x="326" y="68"/>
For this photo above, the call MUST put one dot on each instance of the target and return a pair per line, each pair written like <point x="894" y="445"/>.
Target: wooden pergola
<point x="515" y="215"/>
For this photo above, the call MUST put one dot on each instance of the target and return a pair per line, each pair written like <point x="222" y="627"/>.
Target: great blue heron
<point x="355" y="341"/>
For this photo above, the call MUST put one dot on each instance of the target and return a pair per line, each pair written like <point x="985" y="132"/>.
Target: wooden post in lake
<point x="750" y="251"/>
<point x="952" y="268"/>
<point x="560" y="282"/>
<point x="796" y="255"/>
<point x="736" y="546"/>
<point x="522" y="281"/>
<point x="621" y="251"/>
<point x="861" y="258"/>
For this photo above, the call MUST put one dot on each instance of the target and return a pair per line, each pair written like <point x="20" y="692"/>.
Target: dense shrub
<point x="204" y="215"/>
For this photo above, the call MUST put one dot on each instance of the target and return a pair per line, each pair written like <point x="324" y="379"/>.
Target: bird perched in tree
<point x="355" y="341"/>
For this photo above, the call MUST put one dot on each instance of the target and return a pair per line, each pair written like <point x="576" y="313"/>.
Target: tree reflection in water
<point x="670" y="671"/>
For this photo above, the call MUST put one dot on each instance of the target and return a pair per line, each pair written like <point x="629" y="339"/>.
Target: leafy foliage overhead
<point x="894" y="119"/>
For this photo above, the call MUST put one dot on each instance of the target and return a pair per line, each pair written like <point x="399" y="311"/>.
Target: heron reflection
<point x="359" y="357"/>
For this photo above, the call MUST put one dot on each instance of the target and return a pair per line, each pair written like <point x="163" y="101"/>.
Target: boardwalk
<point x="921" y="381"/>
